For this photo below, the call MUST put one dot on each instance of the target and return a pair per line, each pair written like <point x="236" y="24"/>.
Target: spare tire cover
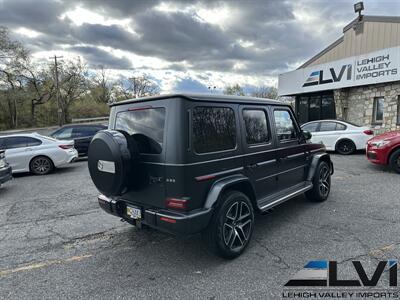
<point x="110" y="160"/>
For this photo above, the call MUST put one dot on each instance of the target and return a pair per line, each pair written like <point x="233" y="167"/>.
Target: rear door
<point x="259" y="148"/>
<point x="18" y="155"/>
<point x="147" y="126"/>
<point x="292" y="154"/>
<point x="82" y="136"/>
<point x="328" y="134"/>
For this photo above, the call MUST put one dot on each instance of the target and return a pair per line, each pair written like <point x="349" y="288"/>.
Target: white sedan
<point x="340" y="136"/>
<point x="36" y="153"/>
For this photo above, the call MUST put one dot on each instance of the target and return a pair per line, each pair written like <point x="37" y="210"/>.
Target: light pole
<point x="59" y="109"/>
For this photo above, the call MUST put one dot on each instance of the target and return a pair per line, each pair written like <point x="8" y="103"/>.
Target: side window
<point x="214" y="129"/>
<point x="2" y="143"/>
<point x="15" y="142"/>
<point x="378" y="110"/>
<point x="79" y="132"/>
<point x="285" y="126"/>
<point x="255" y="121"/>
<point x="312" y="127"/>
<point x="340" y="126"/>
<point x="327" y="126"/>
<point x="65" y="133"/>
<point x="30" y="142"/>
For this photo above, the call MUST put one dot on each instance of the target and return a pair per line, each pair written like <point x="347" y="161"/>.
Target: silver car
<point x="36" y="153"/>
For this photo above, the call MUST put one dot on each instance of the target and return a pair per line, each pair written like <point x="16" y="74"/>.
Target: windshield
<point x="145" y="125"/>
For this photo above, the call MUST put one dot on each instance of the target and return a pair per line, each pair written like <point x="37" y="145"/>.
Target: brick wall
<point x="356" y="105"/>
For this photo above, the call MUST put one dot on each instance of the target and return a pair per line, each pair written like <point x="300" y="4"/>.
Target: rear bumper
<point x="5" y="174"/>
<point x="178" y="223"/>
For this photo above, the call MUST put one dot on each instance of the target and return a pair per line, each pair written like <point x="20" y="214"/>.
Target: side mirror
<point x="307" y="135"/>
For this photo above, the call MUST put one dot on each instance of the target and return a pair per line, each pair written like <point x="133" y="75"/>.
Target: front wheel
<point x="394" y="161"/>
<point x="321" y="183"/>
<point x="231" y="226"/>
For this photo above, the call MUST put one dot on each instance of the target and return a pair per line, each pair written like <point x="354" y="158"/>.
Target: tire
<point x="345" y="147"/>
<point x="41" y="165"/>
<point x="231" y="225"/>
<point x="321" y="183"/>
<point x="394" y="161"/>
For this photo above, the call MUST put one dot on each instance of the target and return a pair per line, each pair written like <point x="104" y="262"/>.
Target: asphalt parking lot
<point x="57" y="243"/>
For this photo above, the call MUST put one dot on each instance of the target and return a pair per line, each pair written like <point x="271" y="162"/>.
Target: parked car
<point x="204" y="163"/>
<point x="82" y="134"/>
<point x="36" y="153"/>
<point x="384" y="149"/>
<point x="5" y="169"/>
<point x="340" y="136"/>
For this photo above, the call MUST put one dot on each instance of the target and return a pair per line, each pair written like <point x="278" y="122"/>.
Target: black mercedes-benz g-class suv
<point x="189" y="163"/>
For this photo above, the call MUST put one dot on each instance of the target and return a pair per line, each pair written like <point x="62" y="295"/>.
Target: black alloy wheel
<point x="237" y="226"/>
<point x="324" y="182"/>
<point x="346" y="147"/>
<point x="394" y="161"/>
<point x="231" y="227"/>
<point x="321" y="183"/>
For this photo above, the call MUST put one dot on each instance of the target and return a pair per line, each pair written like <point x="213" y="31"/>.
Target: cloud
<point x="97" y="57"/>
<point x="249" y="40"/>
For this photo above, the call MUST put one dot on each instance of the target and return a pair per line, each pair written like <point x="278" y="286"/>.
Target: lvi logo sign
<point x="317" y="77"/>
<point x="323" y="273"/>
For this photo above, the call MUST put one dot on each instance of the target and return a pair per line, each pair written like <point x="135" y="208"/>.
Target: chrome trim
<point x="287" y="197"/>
<point x="283" y="172"/>
<point x="104" y="198"/>
<point x="220" y="173"/>
<point x="267" y="162"/>
<point x="209" y="161"/>
<point x="295" y="155"/>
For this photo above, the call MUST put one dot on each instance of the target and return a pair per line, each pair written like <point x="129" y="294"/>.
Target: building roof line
<point x="318" y="55"/>
<point x="383" y="19"/>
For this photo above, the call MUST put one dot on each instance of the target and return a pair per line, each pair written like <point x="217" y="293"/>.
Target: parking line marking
<point x="43" y="264"/>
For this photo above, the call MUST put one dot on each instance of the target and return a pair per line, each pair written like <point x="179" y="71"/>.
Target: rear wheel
<point x="231" y="226"/>
<point x="41" y="165"/>
<point x="345" y="147"/>
<point x="394" y="161"/>
<point x="321" y="183"/>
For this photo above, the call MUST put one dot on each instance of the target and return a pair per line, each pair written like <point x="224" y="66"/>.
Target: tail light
<point x="66" y="146"/>
<point x="368" y="132"/>
<point x="175" y="203"/>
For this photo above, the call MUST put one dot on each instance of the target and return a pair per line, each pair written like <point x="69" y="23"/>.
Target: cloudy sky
<point x="185" y="45"/>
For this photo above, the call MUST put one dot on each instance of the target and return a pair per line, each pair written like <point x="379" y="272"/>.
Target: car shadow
<point x="156" y="246"/>
<point x="60" y="170"/>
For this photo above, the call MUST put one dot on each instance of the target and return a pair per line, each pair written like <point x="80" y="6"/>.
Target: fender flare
<point x="314" y="163"/>
<point x="219" y="186"/>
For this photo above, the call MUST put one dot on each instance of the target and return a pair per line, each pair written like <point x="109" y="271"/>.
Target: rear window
<point x="214" y="129"/>
<point x="144" y="125"/>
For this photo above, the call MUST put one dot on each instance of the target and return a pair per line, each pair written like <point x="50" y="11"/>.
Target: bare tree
<point x="73" y="85"/>
<point x="40" y="87"/>
<point x="99" y="86"/>
<point x="235" y="89"/>
<point x="12" y="58"/>
<point x="266" y="92"/>
<point x="135" y="87"/>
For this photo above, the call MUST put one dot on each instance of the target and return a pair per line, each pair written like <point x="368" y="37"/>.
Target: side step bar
<point x="282" y="196"/>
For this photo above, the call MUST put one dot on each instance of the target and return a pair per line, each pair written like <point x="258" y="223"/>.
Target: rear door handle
<point x="252" y="166"/>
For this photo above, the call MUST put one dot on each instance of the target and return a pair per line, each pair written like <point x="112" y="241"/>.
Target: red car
<point x="384" y="149"/>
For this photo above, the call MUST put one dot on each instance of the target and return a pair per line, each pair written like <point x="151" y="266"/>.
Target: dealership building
<point x="356" y="78"/>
